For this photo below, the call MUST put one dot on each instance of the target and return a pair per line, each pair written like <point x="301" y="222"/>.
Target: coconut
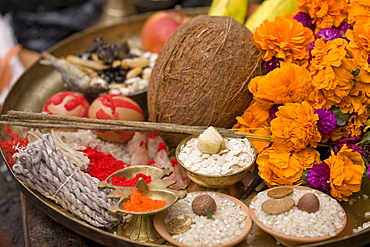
<point x="201" y="75"/>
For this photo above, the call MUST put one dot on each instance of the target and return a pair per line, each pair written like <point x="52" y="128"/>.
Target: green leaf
<point x="342" y="118"/>
<point x="304" y="175"/>
<point x="365" y="139"/>
<point x="356" y="72"/>
<point x="209" y="214"/>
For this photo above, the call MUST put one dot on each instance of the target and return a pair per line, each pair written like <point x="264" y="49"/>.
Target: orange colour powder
<point x="140" y="203"/>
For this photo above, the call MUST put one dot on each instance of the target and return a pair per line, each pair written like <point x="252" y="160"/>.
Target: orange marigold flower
<point x="325" y="13"/>
<point x="331" y="70"/>
<point x="248" y="123"/>
<point x="356" y="101"/>
<point x="346" y="171"/>
<point x="353" y="127"/>
<point x="358" y="10"/>
<point x="308" y="157"/>
<point x="359" y="49"/>
<point x="289" y="83"/>
<point x="295" y="127"/>
<point x="284" y="168"/>
<point x="284" y="38"/>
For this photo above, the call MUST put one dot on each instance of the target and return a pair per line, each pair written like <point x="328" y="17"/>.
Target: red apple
<point x="159" y="27"/>
<point x="115" y="107"/>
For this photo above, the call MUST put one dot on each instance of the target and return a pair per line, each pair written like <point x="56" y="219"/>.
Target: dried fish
<point x="77" y="78"/>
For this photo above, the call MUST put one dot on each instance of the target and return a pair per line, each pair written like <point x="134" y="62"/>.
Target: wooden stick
<point x="40" y="120"/>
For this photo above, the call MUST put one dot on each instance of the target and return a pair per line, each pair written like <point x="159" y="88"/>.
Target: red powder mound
<point x="101" y="164"/>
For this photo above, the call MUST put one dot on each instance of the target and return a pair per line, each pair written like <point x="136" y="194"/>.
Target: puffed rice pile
<point x="237" y="155"/>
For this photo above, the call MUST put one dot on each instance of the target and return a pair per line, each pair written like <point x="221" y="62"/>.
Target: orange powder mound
<point x="140" y="203"/>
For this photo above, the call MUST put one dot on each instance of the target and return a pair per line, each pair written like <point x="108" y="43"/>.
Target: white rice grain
<point x="300" y="223"/>
<point x="227" y="223"/>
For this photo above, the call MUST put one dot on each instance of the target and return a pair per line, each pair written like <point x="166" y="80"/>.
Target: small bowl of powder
<point x="297" y="225"/>
<point x="229" y="225"/>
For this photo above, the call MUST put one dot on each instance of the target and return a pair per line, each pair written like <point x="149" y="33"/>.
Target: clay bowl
<point x="214" y="181"/>
<point x="292" y="240"/>
<point x="160" y="226"/>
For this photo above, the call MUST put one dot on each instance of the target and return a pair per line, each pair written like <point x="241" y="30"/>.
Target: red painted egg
<point x="115" y="107"/>
<point x="67" y="103"/>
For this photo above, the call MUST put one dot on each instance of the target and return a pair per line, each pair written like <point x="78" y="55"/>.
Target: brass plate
<point x="40" y="82"/>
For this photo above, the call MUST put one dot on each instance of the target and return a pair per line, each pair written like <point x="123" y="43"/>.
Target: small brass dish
<point x="138" y="226"/>
<point x="214" y="182"/>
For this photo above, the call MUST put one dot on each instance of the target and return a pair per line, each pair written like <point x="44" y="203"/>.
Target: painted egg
<point x="115" y="107"/>
<point x="67" y="103"/>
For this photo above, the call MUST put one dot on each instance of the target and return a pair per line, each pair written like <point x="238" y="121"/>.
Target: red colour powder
<point x="161" y="146"/>
<point x="121" y="181"/>
<point x="174" y="162"/>
<point x="150" y="162"/>
<point x="152" y="135"/>
<point x="102" y="165"/>
<point x="12" y="145"/>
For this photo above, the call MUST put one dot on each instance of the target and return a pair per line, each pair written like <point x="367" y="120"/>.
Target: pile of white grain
<point x="237" y="155"/>
<point x="227" y="223"/>
<point x="300" y="223"/>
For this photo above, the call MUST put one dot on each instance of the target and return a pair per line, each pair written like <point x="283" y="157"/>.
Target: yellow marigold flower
<point x="284" y="38"/>
<point x="260" y="110"/>
<point x="284" y="168"/>
<point x="289" y="83"/>
<point x="359" y="49"/>
<point x="346" y="170"/>
<point x="248" y="123"/>
<point x="325" y="13"/>
<point x="353" y="127"/>
<point x="358" y="10"/>
<point x="331" y="70"/>
<point x="355" y="102"/>
<point x="295" y="127"/>
<point x="308" y="157"/>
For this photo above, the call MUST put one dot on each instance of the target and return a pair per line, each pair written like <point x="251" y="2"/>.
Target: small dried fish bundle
<point x="77" y="78"/>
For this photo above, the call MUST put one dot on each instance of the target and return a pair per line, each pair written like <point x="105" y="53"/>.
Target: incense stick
<point x="41" y="120"/>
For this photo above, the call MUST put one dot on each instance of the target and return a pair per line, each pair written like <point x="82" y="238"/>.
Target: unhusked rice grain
<point x="300" y="223"/>
<point x="227" y="223"/>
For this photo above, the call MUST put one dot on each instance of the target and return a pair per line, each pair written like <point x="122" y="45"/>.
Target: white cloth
<point x="7" y="42"/>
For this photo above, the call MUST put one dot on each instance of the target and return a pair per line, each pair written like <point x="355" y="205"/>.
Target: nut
<point x="202" y="203"/>
<point x="309" y="203"/>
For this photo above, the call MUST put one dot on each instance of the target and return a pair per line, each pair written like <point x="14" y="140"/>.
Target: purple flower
<point x="273" y="110"/>
<point x="350" y="142"/>
<point x="271" y="64"/>
<point x="327" y="121"/>
<point x="343" y="29"/>
<point x="318" y="177"/>
<point x="305" y="19"/>
<point x="310" y="48"/>
<point x="328" y="34"/>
